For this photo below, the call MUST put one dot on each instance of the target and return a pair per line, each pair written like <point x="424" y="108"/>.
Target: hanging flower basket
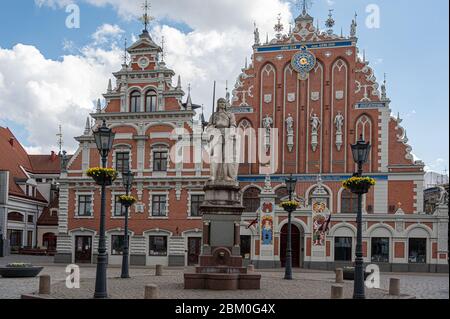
<point x="290" y="206"/>
<point x="359" y="185"/>
<point x="127" y="201"/>
<point x="102" y="176"/>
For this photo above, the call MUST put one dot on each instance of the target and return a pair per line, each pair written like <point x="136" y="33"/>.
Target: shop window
<point x="380" y="250"/>
<point x="343" y="249"/>
<point x="158" y="246"/>
<point x="417" y="250"/>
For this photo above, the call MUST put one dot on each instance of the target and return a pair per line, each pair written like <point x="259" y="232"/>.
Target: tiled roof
<point x="46" y="218"/>
<point x="45" y="164"/>
<point x="15" y="159"/>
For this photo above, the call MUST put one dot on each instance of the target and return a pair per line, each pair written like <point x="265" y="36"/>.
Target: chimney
<point x="11" y="141"/>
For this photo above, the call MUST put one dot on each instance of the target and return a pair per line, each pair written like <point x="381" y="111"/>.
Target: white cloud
<point x="40" y="93"/>
<point x="107" y="33"/>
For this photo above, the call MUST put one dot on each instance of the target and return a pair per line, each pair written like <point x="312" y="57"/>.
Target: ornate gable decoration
<point x="303" y="62"/>
<point x="144" y="44"/>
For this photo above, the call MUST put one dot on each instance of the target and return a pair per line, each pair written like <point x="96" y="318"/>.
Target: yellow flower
<point x="357" y="181"/>
<point x="127" y="199"/>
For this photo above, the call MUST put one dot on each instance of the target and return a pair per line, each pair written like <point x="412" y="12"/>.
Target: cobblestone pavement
<point x="307" y="284"/>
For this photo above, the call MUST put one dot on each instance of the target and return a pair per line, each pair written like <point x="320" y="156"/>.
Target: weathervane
<point x="146" y="18"/>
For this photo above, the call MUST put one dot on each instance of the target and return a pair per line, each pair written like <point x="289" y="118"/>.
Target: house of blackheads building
<point x="300" y="103"/>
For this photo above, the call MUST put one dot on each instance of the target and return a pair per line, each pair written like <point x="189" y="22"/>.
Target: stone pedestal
<point x="220" y="261"/>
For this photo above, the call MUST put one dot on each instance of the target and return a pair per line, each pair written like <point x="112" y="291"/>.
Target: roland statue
<point x="221" y="131"/>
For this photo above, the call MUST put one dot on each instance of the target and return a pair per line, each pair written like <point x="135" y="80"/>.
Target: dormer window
<point x="151" y="101"/>
<point x="135" y="102"/>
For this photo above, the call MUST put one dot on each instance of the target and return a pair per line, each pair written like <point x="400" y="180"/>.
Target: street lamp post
<point x="290" y="184"/>
<point x="104" y="138"/>
<point x="128" y="178"/>
<point x="360" y="152"/>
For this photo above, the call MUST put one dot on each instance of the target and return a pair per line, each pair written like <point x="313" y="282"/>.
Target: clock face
<point x="304" y="61"/>
<point x="143" y="62"/>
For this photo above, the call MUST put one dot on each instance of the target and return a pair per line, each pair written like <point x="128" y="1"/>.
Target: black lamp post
<point x="290" y="184"/>
<point x="128" y="178"/>
<point x="360" y="152"/>
<point x="104" y="138"/>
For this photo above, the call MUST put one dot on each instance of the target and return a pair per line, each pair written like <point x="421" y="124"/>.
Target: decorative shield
<point x="303" y="62"/>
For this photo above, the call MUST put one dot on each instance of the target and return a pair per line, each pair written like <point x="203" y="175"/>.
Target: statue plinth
<point x="221" y="261"/>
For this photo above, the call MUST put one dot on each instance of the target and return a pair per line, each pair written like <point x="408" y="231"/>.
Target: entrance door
<point x="194" y="245"/>
<point x="83" y="249"/>
<point x="296" y="239"/>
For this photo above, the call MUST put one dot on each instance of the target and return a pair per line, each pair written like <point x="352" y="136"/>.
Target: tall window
<point x="151" y="101"/>
<point x="123" y="162"/>
<point x="158" y="246"/>
<point x="135" y="102"/>
<point x="84" y="205"/>
<point x="251" y="200"/>
<point x="417" y="250"/>
<point x="196" y="201"/>
<point x="160" y="161"/>
<point x="349" y="202"/>
<point x="159" y="205"/>
<point x="342" y="248"/>
<point x="119" y="209"/>
<point x="380" y="250"/>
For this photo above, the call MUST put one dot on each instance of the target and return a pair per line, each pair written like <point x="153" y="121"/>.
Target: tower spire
<point x="163" y="53"/>
<point x="60" y="139"/>
<point x="125" y="56"/>
<point x="87" y="128"/>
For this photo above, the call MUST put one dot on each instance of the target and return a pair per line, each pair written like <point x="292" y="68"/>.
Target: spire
<point x="227" y="94"/>
<point x="267" y="38"/>
<point x="330" y="22"/>
<point x="279" y="27"/>
<point x="163" y="53"/>
<point x="125" y="55"/>
<point x="109" y="86"/>
<point x="189" y="99"/>
<point x="304" y="6"/>
<point x="146" y="18"/>
<point x="383" y="89"/>
<point x="60" y="139"/>
<point x="99" y="106"/>
<point x="87" y="129"/>
<point x="179" y="83"/>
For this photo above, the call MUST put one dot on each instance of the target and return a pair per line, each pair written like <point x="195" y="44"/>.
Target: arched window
<point x="251" y="200"/>
<point x="312" y="194"/>
<point x="151" y="101"/>
<point x="281" y="193"/>
<point x="135" y="102"/>
<point x="349" y="202"/>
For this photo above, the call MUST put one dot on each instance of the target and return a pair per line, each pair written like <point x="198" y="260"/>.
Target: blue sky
<point x="411" y="46"/>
